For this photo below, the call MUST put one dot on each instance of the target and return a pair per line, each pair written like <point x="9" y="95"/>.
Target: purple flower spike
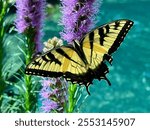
<point x="49" y="105"/>
<point x="53" y="95"/>
<point x="78" y="17"/>
<point x="45" y="92"/>
<point x="48" y="82"/>
<point x="30" y="14"/>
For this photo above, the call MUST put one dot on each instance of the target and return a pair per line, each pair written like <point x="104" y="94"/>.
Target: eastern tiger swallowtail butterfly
<point x="84" y="60"/>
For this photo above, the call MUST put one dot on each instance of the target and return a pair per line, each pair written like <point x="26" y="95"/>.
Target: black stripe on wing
<point x="50" y="57"/>
<point x="120" y="36"/>
<point x="79" y="51"/>
<point x="102" y="34"/>
<point x="91" y="39"/>
<point x="63" y="53"/>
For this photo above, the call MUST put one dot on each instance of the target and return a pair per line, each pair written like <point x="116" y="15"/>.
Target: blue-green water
<point x="130" y="73"/>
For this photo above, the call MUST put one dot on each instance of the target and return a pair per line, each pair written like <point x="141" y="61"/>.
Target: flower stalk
<point x="72" y="98"/>
<point x="30" y="14"/>
<point x="28" y="82"/>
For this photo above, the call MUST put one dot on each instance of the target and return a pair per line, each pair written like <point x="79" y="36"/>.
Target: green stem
<point x="28" y="82"/>
<point x="72" y="99"/>
<point x="28" y="85"/>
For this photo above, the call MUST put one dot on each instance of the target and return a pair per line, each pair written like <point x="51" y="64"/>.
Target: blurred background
<point x="130" y="72"/>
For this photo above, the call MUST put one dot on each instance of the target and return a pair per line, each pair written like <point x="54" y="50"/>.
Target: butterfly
<point x="83" y="60"/>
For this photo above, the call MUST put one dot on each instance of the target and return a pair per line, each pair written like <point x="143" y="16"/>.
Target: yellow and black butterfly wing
<point x="105" y="39"/>
<point x="100" y="43"/>
<point x="60" y="61"/>
<point x="84" y="61"/>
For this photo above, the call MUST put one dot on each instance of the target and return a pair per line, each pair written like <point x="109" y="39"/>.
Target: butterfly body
<point x="84" y="60"/>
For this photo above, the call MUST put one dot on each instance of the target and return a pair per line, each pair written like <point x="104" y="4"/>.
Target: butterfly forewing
<point x="56" y="63"/>
<point x="104" y="40"/>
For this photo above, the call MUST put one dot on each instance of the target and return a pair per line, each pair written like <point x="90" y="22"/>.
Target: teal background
<point x="130" y="73"/>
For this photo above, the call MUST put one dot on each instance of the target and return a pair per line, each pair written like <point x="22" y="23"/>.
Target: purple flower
<point x="45" y="92"/>
<point x="53" y="94"/>
<point x="49" y="105"/>
<point x="48" y="82"/>
<point x="30" y="14"/>
<point x="78" y="17"/>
